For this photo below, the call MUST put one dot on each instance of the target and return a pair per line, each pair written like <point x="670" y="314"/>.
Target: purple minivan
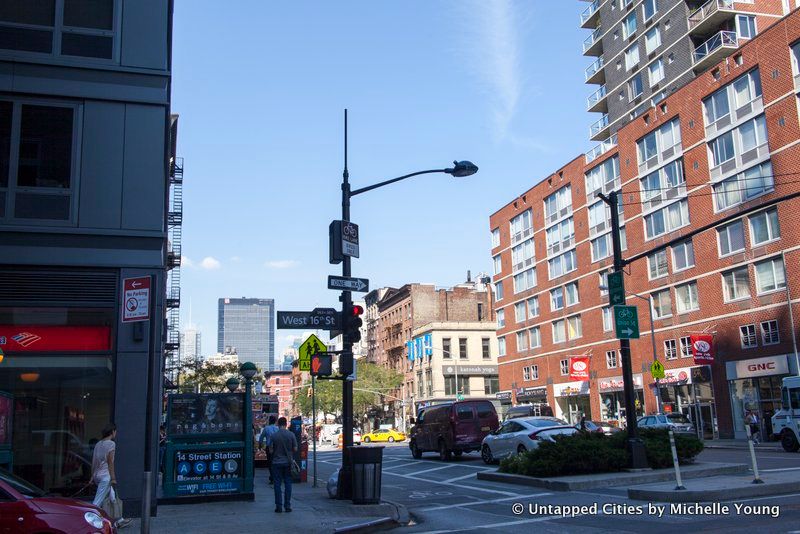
<point x="452" y="428"/>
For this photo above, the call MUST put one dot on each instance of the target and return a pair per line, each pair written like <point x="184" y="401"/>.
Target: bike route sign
<point x="626" y="322"/>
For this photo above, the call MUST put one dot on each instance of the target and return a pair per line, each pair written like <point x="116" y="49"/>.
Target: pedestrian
<point x="103" y="472"/>
<point x="283" y="444"/>
<point x="752" y="420"/>
<point x="264" y="441"/>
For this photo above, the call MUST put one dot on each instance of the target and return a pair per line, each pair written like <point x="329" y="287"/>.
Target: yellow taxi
<point x="384" y="434"/>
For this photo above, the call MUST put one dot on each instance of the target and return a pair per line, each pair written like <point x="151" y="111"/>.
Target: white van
<point x="786" y="421"/>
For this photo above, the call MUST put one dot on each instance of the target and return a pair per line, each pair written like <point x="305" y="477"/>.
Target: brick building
<point x="708" y="186"/>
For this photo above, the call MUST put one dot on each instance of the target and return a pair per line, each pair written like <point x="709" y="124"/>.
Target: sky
<point x="261" y="92"/>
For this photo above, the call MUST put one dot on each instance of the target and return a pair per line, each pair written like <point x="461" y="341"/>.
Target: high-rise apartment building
<point x="643" y="50"/>
<point x="708" y="189"/>
<point x="190" y="349"/>
<point x="247" y="326"/>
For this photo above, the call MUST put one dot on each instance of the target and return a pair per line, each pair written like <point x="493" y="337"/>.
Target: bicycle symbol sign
<point x="349" y="239"/>
<point x="626" y="321"/>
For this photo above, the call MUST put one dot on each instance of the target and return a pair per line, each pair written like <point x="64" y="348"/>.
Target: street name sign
<point x="657" y="369"/>
<point x="348" y="284"/>
<point x="136" y="299"/>
<point x="616" y="289"/>
<point x="311" y="346"/>
<point x="322" y="318"/>
<point x="626" y="322"/>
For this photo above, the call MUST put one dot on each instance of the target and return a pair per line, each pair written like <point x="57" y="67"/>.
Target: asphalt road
<point x="447" y="497"/>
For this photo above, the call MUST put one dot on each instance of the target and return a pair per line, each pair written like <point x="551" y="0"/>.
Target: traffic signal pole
<point x="635" y="445"/>
<point x="346" y="357"/>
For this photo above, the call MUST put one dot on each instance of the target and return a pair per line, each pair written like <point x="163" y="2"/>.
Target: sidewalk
<point x="717" y="489"/>
<point x="312" y="511"/>
<point x="741" y="444"/>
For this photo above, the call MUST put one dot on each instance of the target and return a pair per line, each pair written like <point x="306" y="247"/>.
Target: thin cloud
<point x="187" y="262"/>
<point x="210" y="263"/>
<point x="281" y="264"/>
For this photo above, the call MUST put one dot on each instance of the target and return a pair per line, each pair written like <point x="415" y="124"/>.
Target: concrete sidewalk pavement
<point x="741" y="444"/>
<point x="312" y="511"/>
<point x="718" y="488"/>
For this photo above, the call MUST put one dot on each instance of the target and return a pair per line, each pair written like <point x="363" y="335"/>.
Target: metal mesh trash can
<point x="367" y="464"/>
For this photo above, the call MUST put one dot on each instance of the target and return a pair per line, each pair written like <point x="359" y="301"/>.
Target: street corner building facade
<point x="86" y="168"/>
<point x="708" y="185"/>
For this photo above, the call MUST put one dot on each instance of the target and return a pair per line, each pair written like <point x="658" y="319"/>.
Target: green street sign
<point x="626" y="322"/>
<point x="616" y="289"/>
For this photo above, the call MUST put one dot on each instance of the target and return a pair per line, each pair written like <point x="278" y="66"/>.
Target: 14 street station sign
<point x="322" y="318"/>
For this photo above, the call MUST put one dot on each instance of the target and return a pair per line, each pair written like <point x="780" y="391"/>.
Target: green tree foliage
<point x="196" y="377"/>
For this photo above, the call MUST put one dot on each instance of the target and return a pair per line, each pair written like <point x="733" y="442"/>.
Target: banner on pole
<point x="579" y="368"/>
<point x="702" y="348"/>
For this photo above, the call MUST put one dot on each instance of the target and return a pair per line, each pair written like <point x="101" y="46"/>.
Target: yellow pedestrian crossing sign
<point x="657" y="369"/>
<point x="312" y="345"/>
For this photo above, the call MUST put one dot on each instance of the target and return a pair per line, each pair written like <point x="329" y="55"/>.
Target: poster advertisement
<point x="703" y="349"/>
<point x="6" y="407"/>
<point x="206" y="413"/>
<point x="201" y="472"/>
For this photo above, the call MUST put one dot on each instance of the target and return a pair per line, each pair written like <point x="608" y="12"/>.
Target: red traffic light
<point x="357" y="310"/>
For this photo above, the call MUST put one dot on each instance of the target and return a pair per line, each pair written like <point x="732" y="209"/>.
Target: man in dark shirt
<point x="283" y="445"/>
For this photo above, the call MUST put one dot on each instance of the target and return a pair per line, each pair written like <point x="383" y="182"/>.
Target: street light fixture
<point x="232" y="384"/>
<point x="460" y="169"/>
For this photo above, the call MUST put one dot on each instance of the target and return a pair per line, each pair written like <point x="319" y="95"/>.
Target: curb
<point x="727" y="494"/>
<point x="368" y="526"/>
<point x="745" y="448"/>
<point x="661" y="475"/>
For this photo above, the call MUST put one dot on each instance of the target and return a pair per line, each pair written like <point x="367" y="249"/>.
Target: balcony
<point x="718" y="47"/>
<point x="601" y="149"/>
<point x="595" y="72"/>
<point x="591" y="15"/>
<point x="710" y="16"/>
<point x="597" y="101"/>
<point x="593" y="45"/>
<point x="599" y="131"/>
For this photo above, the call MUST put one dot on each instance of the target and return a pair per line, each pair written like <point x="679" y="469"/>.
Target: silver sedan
<point x="521" y="434"/>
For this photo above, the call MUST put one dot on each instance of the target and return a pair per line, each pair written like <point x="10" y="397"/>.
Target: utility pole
<point x="635" y="445"/>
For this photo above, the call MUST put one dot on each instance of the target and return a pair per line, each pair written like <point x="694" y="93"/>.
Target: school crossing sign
<point x="311" y="346"/>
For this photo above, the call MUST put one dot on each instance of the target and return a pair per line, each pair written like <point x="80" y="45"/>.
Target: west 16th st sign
<point x="322" y="318"/>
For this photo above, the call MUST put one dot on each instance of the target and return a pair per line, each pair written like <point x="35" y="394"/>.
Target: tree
<point x="196" y="376"/>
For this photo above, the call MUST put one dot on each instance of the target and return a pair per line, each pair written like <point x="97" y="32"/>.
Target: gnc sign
<point x="756" y="367"/>
<point x="579" y="368"/>
<point x="702" y="349"/>
<point x="770" y="365"/>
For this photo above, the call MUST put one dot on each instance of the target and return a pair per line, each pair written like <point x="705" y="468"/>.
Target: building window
<point x="525" y="280"/>
<point x="560" y="236"/>
<point x="667" y="219"/>
<point x="522" y="255"/>
<point x="522" y="341"/>
<point x="487" y="355"/>
<point x="446" y="340"/>
<point x="498" y="264"/>
<point x="629" y="25"/>
<point x="740" y="93"/>
<point x="658" y="141"/>
<point x="649" y="8"/>
<point x="744" y="186"/>
<point x="556" y="298"/>
<point x="657" y="264"/>
<point x="603" y="282"/>
<point x="463" y="385"/>
<point x="769" y="333"/>
<point x="770" y="275"/>
<point x="611" y="359"/>
<point x="496" y="237"/>
<point x="635" y="87"/>
<point x="559" y="331"/>
<point x="736" y="284"/>
<point x="521" y="226"/>
<point x="519" y="312"/>
<point x="558" y="205"/>
<point x="663" y="184"/>
<point x="655" y="71"/>
<point x="746" y="26"/>
<point x="652" y="40"/>
<point x="631" y="57"/>
<point x="604" y="177"/>
<point x="731" y="238"/>
<point x="662" y="304"/>
<point x="536" y="337"/>
<point x="607" y="319"/>
<point x="526" y="374"/>
<point x="535" y="372"/>
<point x="574" y="327"/>
<point x="571" y="293"/>
<point x="37" y="181"/>
<point x="686" y="297"/>
<point x="81" y="31"/>
<point x="670" y="350"/>
<point x="564" y="367"/>
<point x="563" y="264"/>
<point x="491" y="385"/>
<point x="429" y="382"/>
<point x="746" y="137"/>
<point x="498" y="291"/>
<point x="449" y="385"/>
<point x="602" y="247"/>
<point x="501" y="319"/>
<point x="533" y="307"/>
<point x="420" y="385"/>
<point x="764" y="227"/>
<point x="686" y="347"/>
<point x="682" y="256"/>
<point x="501" y="346"/>
<point x="747" y="335"/>
<point x="462" y="348"/>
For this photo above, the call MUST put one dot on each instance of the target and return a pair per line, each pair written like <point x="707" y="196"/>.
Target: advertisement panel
<point x="38" y="338"/>
<point x="205" y="413"/>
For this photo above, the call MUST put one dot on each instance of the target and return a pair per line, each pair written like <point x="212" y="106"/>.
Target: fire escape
<point x="173" y="301"/>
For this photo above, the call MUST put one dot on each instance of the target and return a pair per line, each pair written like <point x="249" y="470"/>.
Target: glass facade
<point x="248" y="326"/>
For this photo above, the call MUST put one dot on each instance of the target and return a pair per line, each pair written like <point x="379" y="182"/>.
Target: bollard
<point x="145" y="525"/>
<point x="756" y="478"/>
<point x="675" y="463"/>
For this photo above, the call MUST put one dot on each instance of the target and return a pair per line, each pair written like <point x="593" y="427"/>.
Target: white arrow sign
<point x="350" y="284"/>
<point x="627" y="331"/>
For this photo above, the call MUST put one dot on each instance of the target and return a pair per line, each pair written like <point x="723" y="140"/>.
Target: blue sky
<point x="261" y="91"/>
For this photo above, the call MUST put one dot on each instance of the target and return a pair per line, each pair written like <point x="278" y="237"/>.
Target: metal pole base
<point x="757" y="481"/>
<point x="638" y="454"/>
<point x="680" y="488"/>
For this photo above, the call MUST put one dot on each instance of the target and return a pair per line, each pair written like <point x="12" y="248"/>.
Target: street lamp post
<point x="248" y="370"/>
<point x="459" y="170"/>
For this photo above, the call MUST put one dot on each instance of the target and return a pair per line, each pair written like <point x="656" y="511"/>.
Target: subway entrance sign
<point x="626" y="322"/>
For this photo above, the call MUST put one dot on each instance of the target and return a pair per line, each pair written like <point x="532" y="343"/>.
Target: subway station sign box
<point x="205" y="469"/>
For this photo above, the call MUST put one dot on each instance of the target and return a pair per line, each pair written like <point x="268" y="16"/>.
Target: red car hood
<point x="61" y="505"/>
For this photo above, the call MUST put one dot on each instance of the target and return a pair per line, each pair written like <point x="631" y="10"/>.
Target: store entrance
<point x="703" y="415"/>
<point x="573" y="408"/>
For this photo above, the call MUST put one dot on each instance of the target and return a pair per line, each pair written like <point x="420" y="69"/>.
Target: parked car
<point x="339" y="437"/>
<point x="522" y="434"/>
<point x="452" y="428"/>
<point x="329" y="433"/>
<point x="677" y="422"/>
<point x="529" y="410"/>
<point x="384" y="434"/>
<point x="599" y="426"/>
<point x="26" y="509"/>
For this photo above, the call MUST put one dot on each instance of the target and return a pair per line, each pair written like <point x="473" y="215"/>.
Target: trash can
<point x="367" y="463"/>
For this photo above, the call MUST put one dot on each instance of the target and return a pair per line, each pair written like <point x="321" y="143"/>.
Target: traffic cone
<point x="341" y="441"/>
